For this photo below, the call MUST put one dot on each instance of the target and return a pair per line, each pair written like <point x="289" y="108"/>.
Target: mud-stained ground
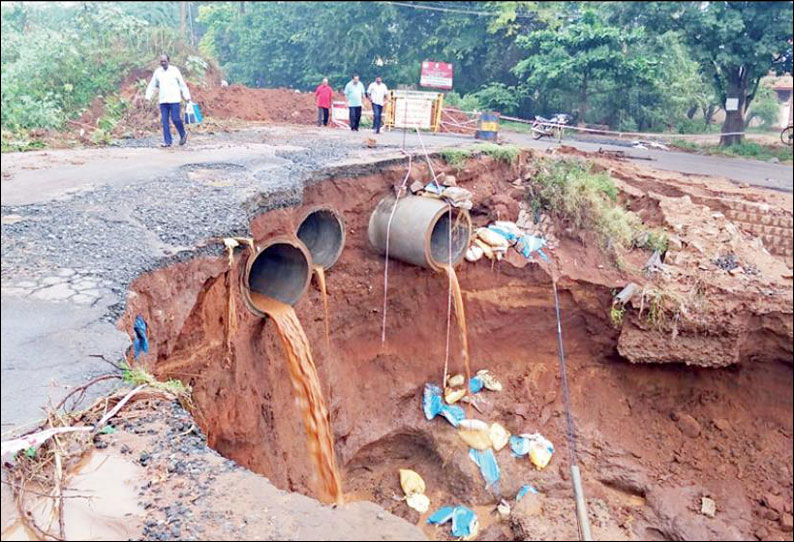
<point x="668" y="410"/>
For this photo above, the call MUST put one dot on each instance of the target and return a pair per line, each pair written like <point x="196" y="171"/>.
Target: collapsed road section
<point x="674" y="317"/>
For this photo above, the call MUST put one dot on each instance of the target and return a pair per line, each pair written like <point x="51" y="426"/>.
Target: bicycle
<point x="787" y="135"/>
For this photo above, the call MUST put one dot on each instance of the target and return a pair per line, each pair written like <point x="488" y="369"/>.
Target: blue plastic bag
<point x="431" y="401"/>
<point x="193" y="114"/>
<point x="489" y="468"/>
<point x="433" y="405"/>
<point x="464" y="521"/>
<point x="519" y="445"/>
<point x="141" y="342"/>
<point x="476" y="384"/>
<point x="529" y="488"/>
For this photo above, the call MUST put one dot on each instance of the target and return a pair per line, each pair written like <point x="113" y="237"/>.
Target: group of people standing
<point x="377" y="93"/>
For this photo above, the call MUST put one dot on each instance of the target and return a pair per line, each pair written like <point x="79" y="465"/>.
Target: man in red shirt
<point x="324" y="94"/>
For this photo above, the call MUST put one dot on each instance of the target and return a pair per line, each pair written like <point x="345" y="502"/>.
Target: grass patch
<point x="514" y="126"/>
<point x="19" y="142"/>
<point x="503" y="153"/>
<point x="571" y="191"/>
<point x="748" y="149"/>
<point x="139" y="375"/>
<point x="455" y="157"/>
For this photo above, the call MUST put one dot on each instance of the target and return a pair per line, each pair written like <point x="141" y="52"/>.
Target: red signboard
<point x="436" y="75"/>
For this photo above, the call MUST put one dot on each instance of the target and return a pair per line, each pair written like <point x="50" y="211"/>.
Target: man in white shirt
<point x="377" y="94"/>
<point x="172" y="88"/>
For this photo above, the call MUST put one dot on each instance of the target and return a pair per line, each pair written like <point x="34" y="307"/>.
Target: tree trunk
<point x="182" y="19"/>
<point x="691" y="112"/>
<point x="583" y="100"/>
<point x="734" y="120"/>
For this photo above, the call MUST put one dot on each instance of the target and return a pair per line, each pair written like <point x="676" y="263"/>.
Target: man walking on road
<point x="172" y="88"/>
<point x="323" y="94"/>
<point x="354" y="94"/>
<point x="377" y="96"/>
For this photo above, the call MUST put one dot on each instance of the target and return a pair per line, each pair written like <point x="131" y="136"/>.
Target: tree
<point x="736" y="43"/>
<point x="581" y="54"/>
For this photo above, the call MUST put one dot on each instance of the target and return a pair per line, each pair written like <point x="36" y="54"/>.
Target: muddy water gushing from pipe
<point x="320" y="274"/>
<point x="460" y="313"/>
<point x="306" y="383"/>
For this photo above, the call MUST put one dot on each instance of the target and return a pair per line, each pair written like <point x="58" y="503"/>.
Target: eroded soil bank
<point x="667" y="411"/>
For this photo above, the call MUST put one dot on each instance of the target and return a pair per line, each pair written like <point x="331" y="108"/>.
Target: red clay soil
<point x="218" y="105"/>
<point x="653" y="438"/>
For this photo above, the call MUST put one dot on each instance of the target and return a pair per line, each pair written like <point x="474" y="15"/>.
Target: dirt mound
<point x="734" y="443"/>
<point x="262" y="104"/>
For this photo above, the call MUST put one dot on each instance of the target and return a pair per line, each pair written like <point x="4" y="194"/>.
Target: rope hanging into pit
<point x="400" y="192"/>
<point x="449" y="279"/>
<point x="581" y="511"/>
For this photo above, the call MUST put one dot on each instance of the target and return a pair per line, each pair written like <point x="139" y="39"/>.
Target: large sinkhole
<point x="202" y="333"/>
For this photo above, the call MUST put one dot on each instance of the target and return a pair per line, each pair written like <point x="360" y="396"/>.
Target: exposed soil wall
<point x="734" y="442"/>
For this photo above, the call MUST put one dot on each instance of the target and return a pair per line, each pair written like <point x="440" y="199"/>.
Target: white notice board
<point x="414" y="109"/>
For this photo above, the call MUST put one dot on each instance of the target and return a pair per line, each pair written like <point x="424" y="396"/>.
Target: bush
<point x="498" y="97"/>
<point x="503" y="153"/>
<point x="464" y="103"/>
<point x="455" y="157"/>
<point x="571" y="191"/>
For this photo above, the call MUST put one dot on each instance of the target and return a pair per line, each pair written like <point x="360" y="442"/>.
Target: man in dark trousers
<point x="354" y="94"/>
<point x="377" y="94"/>
<point x="172" y="87"/>
<point x="323" y="92"/>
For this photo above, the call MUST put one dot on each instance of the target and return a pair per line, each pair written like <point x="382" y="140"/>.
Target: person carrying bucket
<point x="172" y="87"/>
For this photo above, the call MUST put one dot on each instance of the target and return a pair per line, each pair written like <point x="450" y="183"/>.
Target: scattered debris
<point x="499" y="436"/>
<point x="464" y="520"/>
<point x="141" y="341"/>
<point x="489" y="468"/>
<point x="489" y="381"/>
<point x="414" y="488"/>
<point x="432" y="406"/>
<point x="626" y="294"/>
<point x="475" y="433"/>
<point x="539" y="448"/>
<point x="727" y="261"/>
<point x="527" y="488"/>
<point x="708" y="507"/>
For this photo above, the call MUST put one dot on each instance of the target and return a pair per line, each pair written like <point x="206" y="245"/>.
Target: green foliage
<point x="734" y="43"/>
<point x="747" y="149"/>
<point x="138" y="375"/>
<point x="765" y="107"/>
<point x="582" y="55"/>
<point x="651" y="239"/>
<point x="570" y="190"/>
<point x="57" y="58"/>
<point x="469" y="102"/>
<point x="498" y="97"/>
<point x="616" y="314"/>
<point x="502" y="153"/>
<point x="19" y="142"/>
<point x="455" y="157"/>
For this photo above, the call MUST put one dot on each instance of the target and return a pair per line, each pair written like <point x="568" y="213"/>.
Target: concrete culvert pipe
<point x="280" y="270"/>
<point x="323" y="232"/>
<point x="420" y="231"/>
